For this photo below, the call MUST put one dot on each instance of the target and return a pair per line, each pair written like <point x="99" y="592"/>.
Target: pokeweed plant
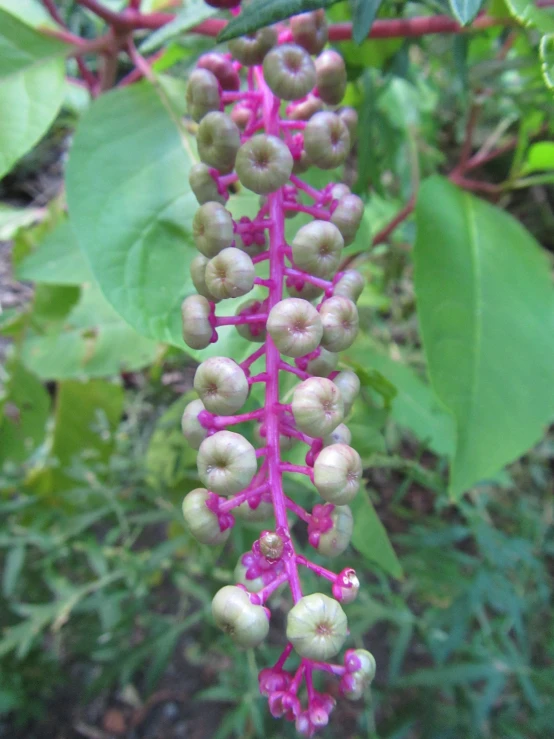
<point x="264" y="131"/>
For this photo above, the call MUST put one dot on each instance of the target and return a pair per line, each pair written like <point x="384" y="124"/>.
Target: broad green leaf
<point x="260" y="13"/>
<point x="131" y="206"/>
<point x="57" y="260"/>
<point x="12" y="568"/>
<point x="528" y="14"/>
<point x="486" y="309"/>
<point x="465" y="10"/>
<point x="363" y="15"/>
<point x="370" y="538"/>
<point x="30" y="12"/>
<point x="194" y="12"/>
<point x="547" y="59"/>
<point x="539" y="157"/>
<point x="169" y="459"/>
<point x="12" y="219"/>
<point x="32" y="87"/>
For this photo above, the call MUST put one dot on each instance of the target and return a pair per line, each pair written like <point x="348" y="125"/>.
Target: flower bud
<point x="336" y="540"/>
<point x="317" y="627"/>
<point x="212" y="229"/>
<point x="241" y="115"/>
<point x="201" y="521"/>
<point x="303" y="290"/>
<point x="261" y="512"/>
<point x="221" y="68"/>
<point x="271" y="545"/>
<point x="338" y="473"/>
<point x="339" y="317"/>
<point x="354" y="682"/>
<point x="316" y="248"/>
<point x="203" y="185"/>
<point x="202" y="94"/>
<point x="252" y="331"/>
<point x="218" y="140"/>
<point x="226" y="462"/>
<point x="222" y="385"/>
<point x="198" y="275"/>
<point x="346" y="587"/>
<point x="289" y="71"/>
<point x="230" y="274"/>
<point x="193" y="431"/>
<point x="350" y="285"/>
<point x="331" y="77"/>
<point x="317" y="406"/>
<point x="264" y="164"/>
<point x="251" y="49"/>
<point x="304" y="109"/>
<point x="350" y="118"/>
<point x="348" y="383"/>
<point x="347" y="217"/>
<point x="245" y="623"/>
<point x="197" y="329"/>
<point x="326" y="140"/>
<point x="322" y="365"/>
<point x="239" y="575"/>
<point x="310" y="30"/>
<point x="295" y="327"/>
<point x="340" y="435"/>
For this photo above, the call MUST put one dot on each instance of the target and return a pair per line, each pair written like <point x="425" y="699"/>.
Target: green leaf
<point x="370" y="538"/>
<point x="191" y="15"/>
<point x="12" y="219"/>
<point x="57" y="260"/>
<point x="486" y="310"/>
<point x="465" y="10"/>
<point x="261" y="13"/>
<point x="547" y="59"/>
<point x="131" y="206"/>
<point x="540" y="157"/>
<point x="363" y="15"/>
<point x="12" y="568"/>
<point x="32" y="87"/>
<point x="169" y="459"/>
<point x="30" y="12"/>
<point x="528" y="14"/>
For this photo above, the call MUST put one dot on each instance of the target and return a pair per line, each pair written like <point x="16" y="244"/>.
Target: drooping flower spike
<point x="307" y="316"/>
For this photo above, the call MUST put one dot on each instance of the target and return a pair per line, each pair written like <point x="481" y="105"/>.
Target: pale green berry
<point x="331" y="77"/>
<point x="336" y="540"/>
<point x="350" y="118"/>
<point x="322" y="365"/>
<point x="310" y="30"/>
<point x="241" y="115"/>
<point x="239" y="576"/>
<point x="252" y="48"/>
<point x="202" y="94"/>
<point x="308" y="291"/>
<point x="317" y="406"/>
<point x="305" y="109"/>
<point x="218" y="140"/>
<point x="340" y="435"/>
<point x="350" y="285"/>
<point x="317" y="627"/>
<point x="363" y="677"/>
<point x="212" y="229"/>
<point x="295" y="327"/>
<point x="286" y="443"/>
<point x="226" y="462"/>
<point x="349" y="385"/>
<point x="299" y="167"/>
<point x="339" y="190"/>
<point x="203" y="185"/>
<point x="252" y="331"/>
<point x="230" y="274"/>
<point x="198" y="276"/>
<point x="264" y="164"/>
<point x="193" y="431"/>
<point x="201" y="521"/>
<point x="197" y="329"/>
<point x="289" y="71"/>
<point x="338" y="473"/>
<point x="326" y="140"/>
<point x="316" y="248"/>
<point x="262" y="512"/>
<point x="339" y="317"/>
<point x="222" y="385"/>
<point x="245" y="623"/>
<point x="221" y="68"/>
<point x="347" y="217"/>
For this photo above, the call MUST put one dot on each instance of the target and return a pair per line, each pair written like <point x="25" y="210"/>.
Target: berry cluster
<point x="265" y="151"/>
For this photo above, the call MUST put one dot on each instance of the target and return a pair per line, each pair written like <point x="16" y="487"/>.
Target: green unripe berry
<point x="230" y="274"/>
<point x="286" y="443"/>
<point x="226" y="462"/>
<point x="239" y="576"/>
<point x="295" y="327"/>
<point x="198" y="275"/>
<point x="322" y="365"/>
<point x="307" y="291"/>
<point x="336" y="540"/>
<point x="350" y="118"/>
<point x="212" y="229"/>
<point x="338" y="473"/>
<point x="349" y="385"/>
<point x="362" y="677"/>
<point x="339" y="317"/>
<point x="222" y="385"/>
<point x="202" y="94"/>
<point x="261" y="513"/>
<point x="331" y="77"/>
<point x="316" y="248"/>
<point x="347" y="217"/>
<point x="203" y="185"/>
<point x="252" y="48"/>
<point x="197" y="329"/>
<point x="299" y="167"/>
<point x="326" y="140"/>
<point x="304" y="110"/>
<point x="317" y="406"/>
<point x="201" y="521"/>
<point x="218" y="140"/>
<point x="340" y="435"/>
<point x="289" y="71"/>
<point x="193" y="431"/>
<point x="221" y="68"/>
<point x="310" y="30"/>
<point x="264" y="164"/>
<point x="350" y="285"/>
<point x="317" y="627"/>
<point x="339" y="190"/>
<point x="253" y="332"/>
<point x="245" y="623"/>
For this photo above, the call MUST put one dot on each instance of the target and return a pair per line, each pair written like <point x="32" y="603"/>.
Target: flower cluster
<point x="299" y="333"/>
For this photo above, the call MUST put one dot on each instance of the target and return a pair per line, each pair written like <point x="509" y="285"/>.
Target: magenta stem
<point x="294" y="370"/>
<point x="299" y="469"/>
<point x="299" y="511"/>
<point x="265" y="592"/>
<point x="314" y="211"/>
<point x="249" y="361"/>
<point x="262" y="377"/>
<point x="321" y="571"/>
<point x="301" y="125"/>
<point x="240" y="320"/>
<point x="220" y="422"/>
<point x="308" y="189"/>
<point x="226" y="179"/>
<point x="231" y="97"/>
<point x="284" y="656"/>
<point x="337" y="670"/>
<point x="242" y="497"/>
<point x="306" y="277"/>
<point x="261" y="257"/>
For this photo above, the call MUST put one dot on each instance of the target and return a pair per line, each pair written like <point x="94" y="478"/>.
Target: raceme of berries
<point x="263" y="118"/>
